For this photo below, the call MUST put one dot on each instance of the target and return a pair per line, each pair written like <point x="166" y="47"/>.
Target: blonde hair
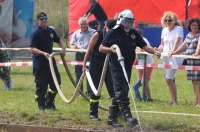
<point x="80" y="20"/>
<point x="171" y="15"/>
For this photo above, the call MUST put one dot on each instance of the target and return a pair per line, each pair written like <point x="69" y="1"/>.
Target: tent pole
<point x="186" y="10"/>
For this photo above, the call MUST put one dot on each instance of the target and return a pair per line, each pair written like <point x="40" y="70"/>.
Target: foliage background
<point x="57" y="11"/>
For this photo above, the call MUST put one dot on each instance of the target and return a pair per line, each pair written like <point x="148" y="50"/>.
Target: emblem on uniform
<point x="134" y="44"/>
<point x="132" y="36"/>
<point x="51" y="35"/>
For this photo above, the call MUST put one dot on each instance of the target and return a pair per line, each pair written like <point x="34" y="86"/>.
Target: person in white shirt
<point x="171" y="39"/>
<point x="80" y="40"/>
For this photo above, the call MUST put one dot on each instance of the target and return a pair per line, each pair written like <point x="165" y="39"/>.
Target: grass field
<point x="17" y="105"/>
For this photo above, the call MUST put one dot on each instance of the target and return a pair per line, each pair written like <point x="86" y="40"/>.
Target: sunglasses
<point x="168" y="20"/>
<point x="43" y="18"/>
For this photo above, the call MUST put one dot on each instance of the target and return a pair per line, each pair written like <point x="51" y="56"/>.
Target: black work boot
<point x="50" y="101"/>
<point x="41" y="102"/>
<point x="131" y="122"/>
<point x="119" y="113"/>
<point x="112" y="117"/>
<point x="94" y="111"/>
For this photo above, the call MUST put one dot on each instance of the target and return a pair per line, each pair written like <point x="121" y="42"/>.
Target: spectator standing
<point x="191" y="46"/>
<point x="5" y="70"/>
<point x="126" y="38"/>
<point x="140" y="61"/>
<point x="171" y="39"/>
<point x="97" y="60"/>
<point x="41" y="46"/>
<point x="80" y="40"/>
<point x="99" y="13"/>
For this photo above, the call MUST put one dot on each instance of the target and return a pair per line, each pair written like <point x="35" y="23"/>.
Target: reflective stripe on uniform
<point x="51" y="91"/>
<point x="36" y="96"/>
<point x="94" y="101"/>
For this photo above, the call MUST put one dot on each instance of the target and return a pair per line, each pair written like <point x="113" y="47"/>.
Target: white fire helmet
<point x="126" y="19"/>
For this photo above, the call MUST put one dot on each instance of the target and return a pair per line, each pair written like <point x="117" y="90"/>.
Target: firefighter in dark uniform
<point x="97" y="60"/>
<point x="126" y="38"/>
<point x="41" y="47"/>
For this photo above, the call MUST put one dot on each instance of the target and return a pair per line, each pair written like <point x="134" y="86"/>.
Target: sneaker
<point x="11" y="84"/>
<point x="149" y="100"/>
<point x="6" y="87"/>
<point x="138" y="98"/>
<point x="173" y="103"/>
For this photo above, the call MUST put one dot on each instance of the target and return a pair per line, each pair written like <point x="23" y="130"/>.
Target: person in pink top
<point x="140" y="60"/>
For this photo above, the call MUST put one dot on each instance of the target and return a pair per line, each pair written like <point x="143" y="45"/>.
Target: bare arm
<point x="160" y="47"/>
<point x="62" y="45"/>
<point x="151" y="50"/>
<point x="106" y="50"/>
<point x="91" y="45"/>
<point x="73" y="46"/>
<point x="175" y="46"/>
<point x="34" y="50"/>
<point x="88" y="15"/>
<point x="180" y="49"/>
<point x="38" y="52"/>
<point x="197" y="53"/>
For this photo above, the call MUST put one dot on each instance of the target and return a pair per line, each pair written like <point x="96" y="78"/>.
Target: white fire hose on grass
<point x="72" y="80"/>
<point x="97" y="92"/>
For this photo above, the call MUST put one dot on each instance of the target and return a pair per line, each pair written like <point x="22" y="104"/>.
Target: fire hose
<point x="68" y="101"/>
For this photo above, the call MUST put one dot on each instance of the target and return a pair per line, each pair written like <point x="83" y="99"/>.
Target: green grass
<point x="17" y="106"/>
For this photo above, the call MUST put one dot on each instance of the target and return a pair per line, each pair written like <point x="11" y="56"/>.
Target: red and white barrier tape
<point x="16" y="64"/>
<point x="31" y="64"/>
<point x="166" y="66"/>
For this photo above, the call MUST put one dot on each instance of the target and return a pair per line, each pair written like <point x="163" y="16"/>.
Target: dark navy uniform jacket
<point x="126" y="43"/>
<point x="43" y="40"/>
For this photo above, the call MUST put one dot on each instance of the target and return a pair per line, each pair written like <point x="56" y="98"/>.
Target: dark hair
<point x="93" y="24"/>
<point x="110" y="23"/>
<point x="40" y="14"/>
<point x="190" y="21"/>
